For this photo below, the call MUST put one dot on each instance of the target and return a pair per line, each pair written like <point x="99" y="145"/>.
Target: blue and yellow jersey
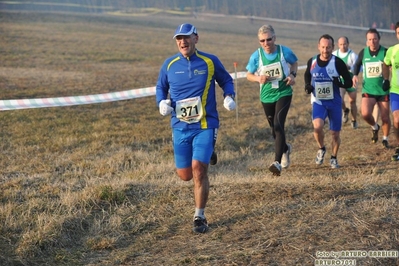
<point x="185" y="78"/>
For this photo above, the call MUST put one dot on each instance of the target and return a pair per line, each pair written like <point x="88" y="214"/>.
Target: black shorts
<point x="379" y="98"/>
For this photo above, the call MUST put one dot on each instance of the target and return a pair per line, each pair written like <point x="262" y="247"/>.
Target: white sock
<point x="375" y="127"/>
<point x="199" y="213"/>
<point x="385" y="137"/>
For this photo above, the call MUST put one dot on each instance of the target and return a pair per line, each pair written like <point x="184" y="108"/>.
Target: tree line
<point x="347" y="12"/>
<point x="362" y="13"/>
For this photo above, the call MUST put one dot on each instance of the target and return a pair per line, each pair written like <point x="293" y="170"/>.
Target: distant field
<point x="95" y="184"/>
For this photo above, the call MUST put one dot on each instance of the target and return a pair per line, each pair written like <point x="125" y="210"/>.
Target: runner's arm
<point x="358" y="64"/>
<point x="344" y="73"/>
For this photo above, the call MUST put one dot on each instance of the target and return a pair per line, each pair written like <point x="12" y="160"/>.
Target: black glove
<point x="309" y="88"/>
<point x="337" y="82"/>
<point x="386" y="84"/>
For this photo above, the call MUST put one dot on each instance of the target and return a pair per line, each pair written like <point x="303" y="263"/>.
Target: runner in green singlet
<point x="371" y="58"/>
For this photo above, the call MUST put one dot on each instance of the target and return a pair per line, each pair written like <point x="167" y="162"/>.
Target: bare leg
<point x="376" y="113"/>
<point x="199" y="173"/>
<point x="201" y="184"/>
<point x="342" y="92"/>
<point x="386" y="120"/>
<point x="336" y="141"/>
<point x="367" y="110"/>
<point x="318" y="131"/>
<point x="396" y="126"/>
<point x="352" y="102"/>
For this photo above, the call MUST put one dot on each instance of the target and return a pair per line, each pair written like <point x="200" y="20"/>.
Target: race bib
<point x="374" y="69"/>
<point x="324" y="90"/>
<point x="189" y="110"/>
<point x="274" y="71"/>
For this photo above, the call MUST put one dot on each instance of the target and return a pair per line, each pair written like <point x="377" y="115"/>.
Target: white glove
<point x="165" y="108"/>
<point x="229" y="103"/>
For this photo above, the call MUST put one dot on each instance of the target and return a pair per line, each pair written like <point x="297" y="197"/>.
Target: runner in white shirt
<point x="349" y="57"/>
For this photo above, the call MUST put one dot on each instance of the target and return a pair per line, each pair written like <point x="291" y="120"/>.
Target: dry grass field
<point x="96" y="185"/>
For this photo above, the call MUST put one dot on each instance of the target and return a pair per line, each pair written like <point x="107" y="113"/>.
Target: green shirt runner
<point x="392" y="59"/>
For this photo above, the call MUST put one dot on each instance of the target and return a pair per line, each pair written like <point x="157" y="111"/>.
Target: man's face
<point x="186" y="44"/>
<point x="372" y="41"/>
<point x="266" y="41"/>
<point x="325" y="48"/>
<point x="343" y="45"/>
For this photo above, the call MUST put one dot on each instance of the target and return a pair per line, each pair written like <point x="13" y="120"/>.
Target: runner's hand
<point x="337" y="81"/>
<point x="386" y="84"/>
<point x="309" y="88"/>
<point x="165" y="108"/>
<point x="229" y="103"/>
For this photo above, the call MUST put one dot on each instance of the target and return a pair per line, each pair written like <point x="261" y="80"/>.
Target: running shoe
<point x="395" y="157"/>
<point x="354" y="124"/>
<point x="285" y="160"/>
<point x="334" y="163"/>
<point x="214" y="158"/>
<point x="200" y="225"/>
<point x="345" y="115"/>
<point x="275" y="168"/>
<point x="385" y="143"/>
<point x="374" y="138"/>
<point x="320" y="156"/>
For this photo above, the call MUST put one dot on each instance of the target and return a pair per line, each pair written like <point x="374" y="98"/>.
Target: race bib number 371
<point x="189" y="110"/>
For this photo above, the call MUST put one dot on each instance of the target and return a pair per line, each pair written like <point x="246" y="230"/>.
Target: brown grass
<point x="95" y="184"/>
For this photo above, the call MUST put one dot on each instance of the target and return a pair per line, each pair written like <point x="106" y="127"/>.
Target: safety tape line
<point x="75" y="100"/>
<point x="85" y="99"/>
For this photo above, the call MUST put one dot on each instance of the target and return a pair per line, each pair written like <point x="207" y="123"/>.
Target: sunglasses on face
<point x="182" y="37"/>
<point x="266" y="40"/>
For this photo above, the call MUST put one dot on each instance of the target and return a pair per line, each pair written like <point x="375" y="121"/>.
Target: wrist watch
<point x="293" y="73"/>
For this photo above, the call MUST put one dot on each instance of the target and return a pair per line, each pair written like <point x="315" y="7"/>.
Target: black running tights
<point x="276" y="113"/>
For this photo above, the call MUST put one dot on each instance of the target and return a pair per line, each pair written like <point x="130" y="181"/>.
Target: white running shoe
<point x="285" y="160"/>
<point x="334" y="163"/>
<point x="320" y="156"/>
<point x="275" y="168"/>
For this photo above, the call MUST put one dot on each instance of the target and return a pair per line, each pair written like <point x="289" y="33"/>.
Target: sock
<point x="333" y="157"/>
<point x="199" y="213"/>
<point x="385" y="138"/>
<point x="323" y="148"/>
<point x="375" y="127"/>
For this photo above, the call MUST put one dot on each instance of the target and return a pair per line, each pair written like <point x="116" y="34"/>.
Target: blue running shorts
<point x="394" y="98"/>
<point x="193" y="144"/>
<point x="333" y="112"/>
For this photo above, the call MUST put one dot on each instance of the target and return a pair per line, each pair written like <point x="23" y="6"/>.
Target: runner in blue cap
<point x="188" y="78"/>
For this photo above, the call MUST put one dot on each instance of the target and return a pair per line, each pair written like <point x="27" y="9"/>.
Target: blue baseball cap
<point x="185" y="29"/>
